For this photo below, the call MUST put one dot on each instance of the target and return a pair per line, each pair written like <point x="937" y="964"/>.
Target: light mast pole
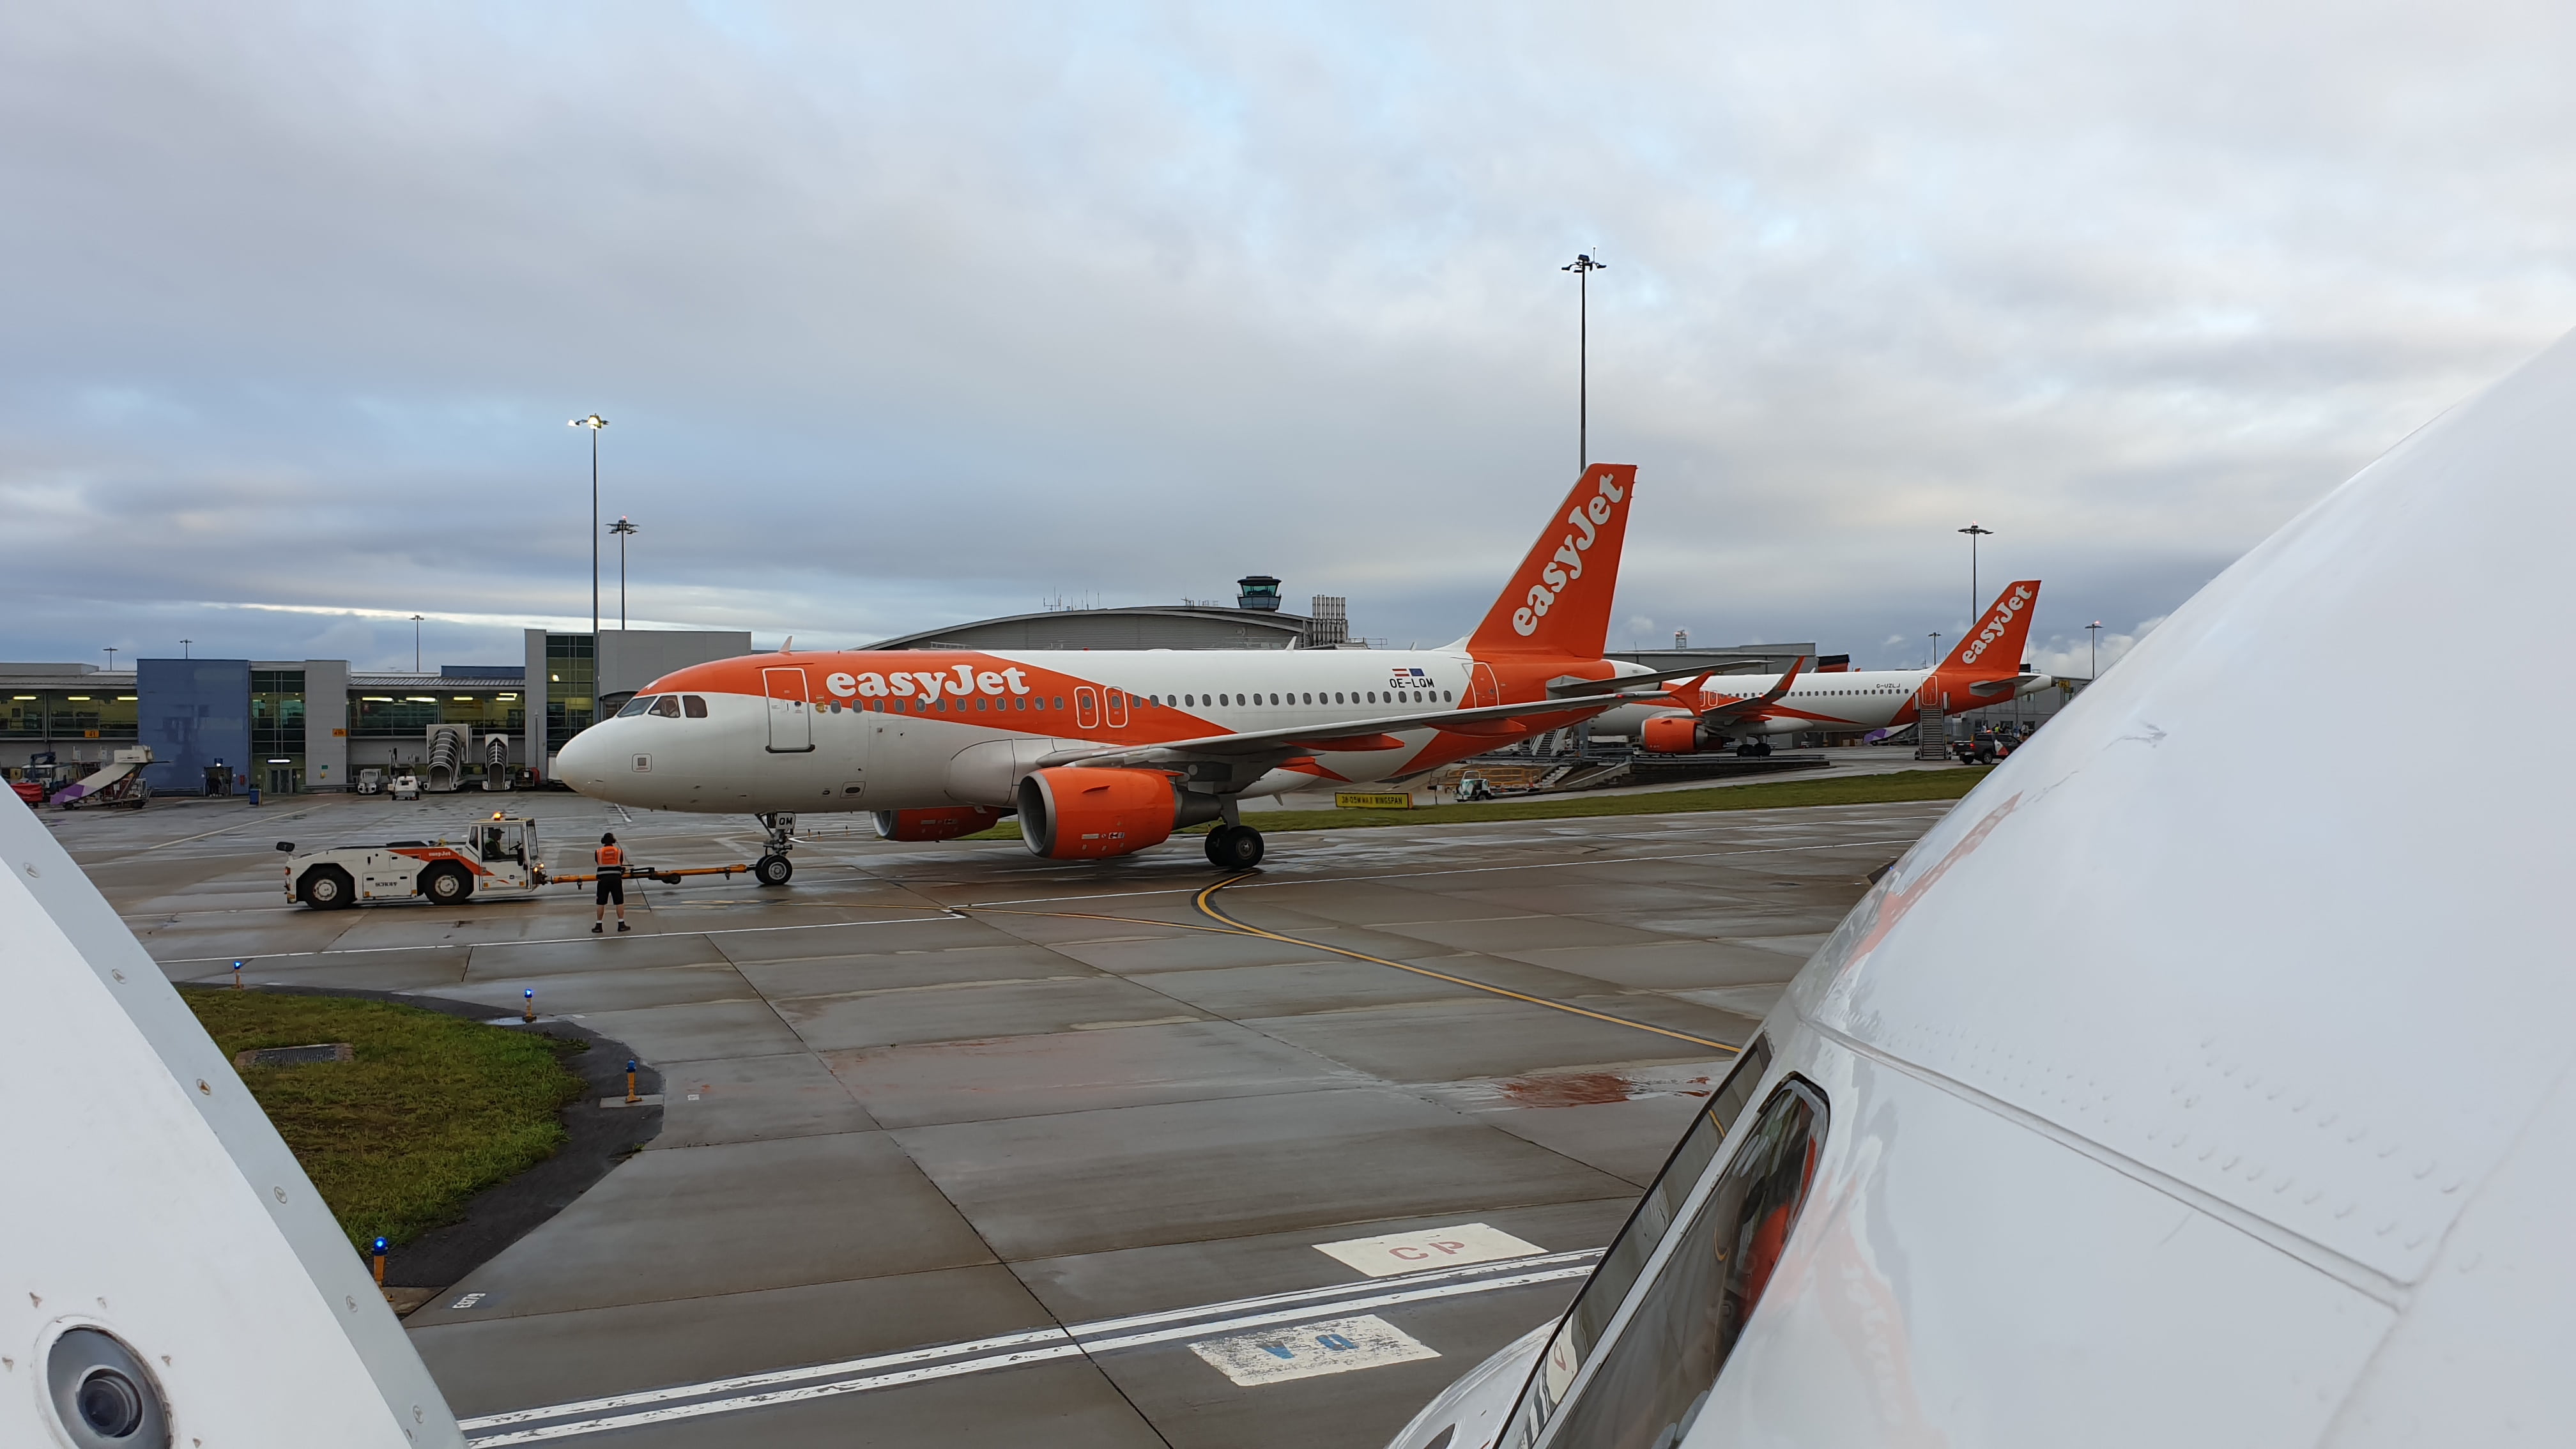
<point x="1583" y="266"/>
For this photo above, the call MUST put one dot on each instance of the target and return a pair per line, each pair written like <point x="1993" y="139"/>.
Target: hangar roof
<point x="1140" y="626"/>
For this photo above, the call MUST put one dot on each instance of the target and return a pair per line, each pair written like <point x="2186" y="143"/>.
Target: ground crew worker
<point x="612" y="883"/>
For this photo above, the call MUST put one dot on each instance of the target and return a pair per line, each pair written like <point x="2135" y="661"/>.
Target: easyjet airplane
<point x="1984" y="669"/>
<point x="1107" y="752"/>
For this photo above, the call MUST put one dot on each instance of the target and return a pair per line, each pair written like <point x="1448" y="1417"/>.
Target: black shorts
<point x="612" y="887"/>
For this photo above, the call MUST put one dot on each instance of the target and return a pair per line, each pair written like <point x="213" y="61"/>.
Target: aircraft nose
<point x="583" y="763"/>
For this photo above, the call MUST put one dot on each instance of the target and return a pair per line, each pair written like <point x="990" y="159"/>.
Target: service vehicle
<point x="499" y="854"/>
<point x="406" y="786"/>
<point x="371" y="782"/>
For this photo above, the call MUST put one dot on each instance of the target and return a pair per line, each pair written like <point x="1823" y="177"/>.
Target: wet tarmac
<point x="963" y="1147"/>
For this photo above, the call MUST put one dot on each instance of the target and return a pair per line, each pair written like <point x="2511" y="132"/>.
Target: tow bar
<point x="666" y="876"/>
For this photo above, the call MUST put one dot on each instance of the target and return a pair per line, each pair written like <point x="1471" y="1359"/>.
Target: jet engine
<point x="1672" y="734"/>
<point x="946" y="823"/>
<point x="1078" y="813"/>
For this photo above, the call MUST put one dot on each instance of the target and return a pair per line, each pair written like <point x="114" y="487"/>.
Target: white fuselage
<point x="877" y="736"/>
<point x="1836" y="703"/>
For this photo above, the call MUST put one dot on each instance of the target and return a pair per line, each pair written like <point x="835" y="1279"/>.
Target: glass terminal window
<point x="571" y="669"/>
<point x="1654" y="1379"/>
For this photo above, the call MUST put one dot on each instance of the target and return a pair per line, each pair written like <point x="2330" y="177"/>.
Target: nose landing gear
<point x="773" y="868"/>
<point x="1234" y="847"/>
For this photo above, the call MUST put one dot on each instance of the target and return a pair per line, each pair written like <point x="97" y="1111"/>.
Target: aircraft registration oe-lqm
<point x="1107" y="752"/>
<point x="2200" y="1079"/>
<point x="1986" y="668"/>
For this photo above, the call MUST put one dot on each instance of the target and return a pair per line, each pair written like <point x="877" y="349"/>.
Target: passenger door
<point x="791" y="717"/>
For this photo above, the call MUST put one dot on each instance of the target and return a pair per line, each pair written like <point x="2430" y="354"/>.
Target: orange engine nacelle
<point x="1079" y="813"/>
<point x="943" y="824"/>
<point x="1670" y="734"/>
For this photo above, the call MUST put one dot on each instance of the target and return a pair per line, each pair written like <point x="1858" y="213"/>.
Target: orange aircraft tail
<point x="1995" y="649"/>
<point x="1558" y="602"/>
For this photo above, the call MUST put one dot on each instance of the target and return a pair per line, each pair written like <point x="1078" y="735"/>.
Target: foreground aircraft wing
<point x="1360" y="734"/>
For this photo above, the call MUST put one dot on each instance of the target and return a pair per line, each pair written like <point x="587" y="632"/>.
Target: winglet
<point x="1558" y="602"/>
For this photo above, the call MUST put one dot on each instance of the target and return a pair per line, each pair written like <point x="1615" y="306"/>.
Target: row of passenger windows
<point x="1370" y="696"/>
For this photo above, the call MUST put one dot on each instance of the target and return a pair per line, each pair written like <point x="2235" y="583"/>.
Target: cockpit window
<point x="668" y="706"/>
<point x="637" y="705"/>
<point x="1653" y="1380"/>
<point x="1635" y="1246"/>
<point x="697" y="708"/>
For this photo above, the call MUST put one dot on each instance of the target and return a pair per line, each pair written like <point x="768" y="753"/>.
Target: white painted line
<point x="1411" y="1252"/>
<point x="750" y="1384"/>
<point x="1381" y="1300"/>
<point x="682" y="1401"/>
<point x="781" y="1396"/>
<point x="1335" y="1346"/>
<point x="1323" y="1299"/>
<point x="184" y="839"/>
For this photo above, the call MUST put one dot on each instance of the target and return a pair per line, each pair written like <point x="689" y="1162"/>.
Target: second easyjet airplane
<point x="1986" y="668"/>
<point x="1107" y="752"/>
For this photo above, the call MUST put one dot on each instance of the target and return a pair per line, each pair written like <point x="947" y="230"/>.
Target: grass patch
<point x="1896" y="787"/>
<point x="433" y="1109"/>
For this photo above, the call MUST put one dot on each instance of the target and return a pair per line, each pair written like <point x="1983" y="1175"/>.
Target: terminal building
<point x="288" y="725"/>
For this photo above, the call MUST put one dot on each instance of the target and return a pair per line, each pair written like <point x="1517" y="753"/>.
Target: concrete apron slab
<point x="1047" y="1168"/>
<point x="755" y="1099"/>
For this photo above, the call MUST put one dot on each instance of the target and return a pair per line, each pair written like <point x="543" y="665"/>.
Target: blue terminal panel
<point x="194" y="713"/>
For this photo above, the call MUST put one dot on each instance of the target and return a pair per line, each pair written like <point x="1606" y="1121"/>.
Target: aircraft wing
<point x="2001" y="686"/>
<point x="1760" y="702"/>
<point x="1376" y="733"/>
<point x="1577" y="688"/>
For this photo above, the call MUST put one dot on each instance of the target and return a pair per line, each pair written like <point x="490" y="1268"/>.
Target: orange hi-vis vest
<point x="612" y="857"/>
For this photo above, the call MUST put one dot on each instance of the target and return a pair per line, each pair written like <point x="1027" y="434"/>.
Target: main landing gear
<point x="1234" y="847"/>
<point x="773" y="868"/>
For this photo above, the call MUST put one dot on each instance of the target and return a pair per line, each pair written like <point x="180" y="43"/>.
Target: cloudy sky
<point x="936" y="312"/>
